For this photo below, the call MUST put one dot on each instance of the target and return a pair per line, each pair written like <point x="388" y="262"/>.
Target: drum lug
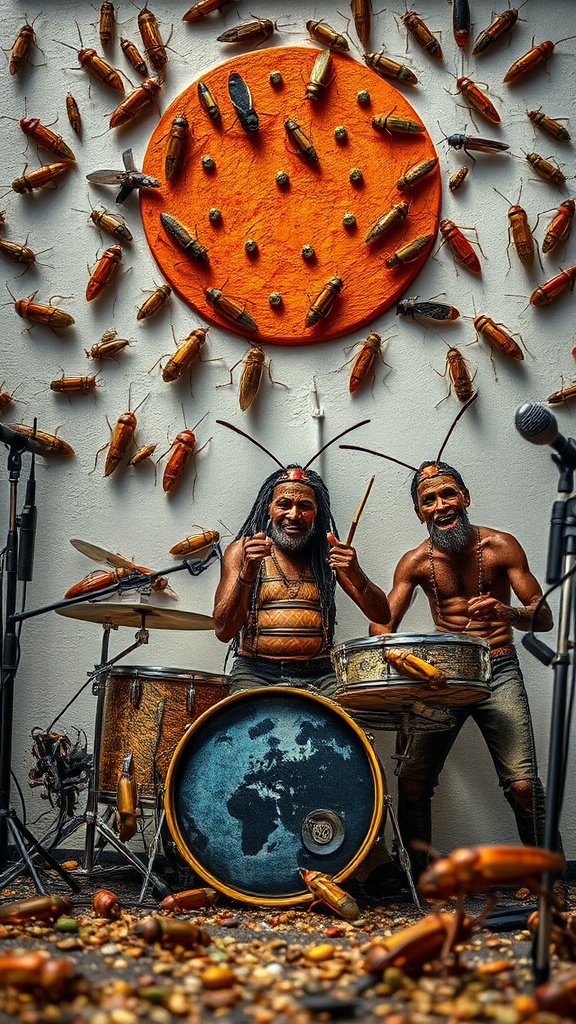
<point x="135" y="693"/>
<point x="190" y="699"/>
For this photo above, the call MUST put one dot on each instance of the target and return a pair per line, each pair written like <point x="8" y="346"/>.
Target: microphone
<point x="28" y="519"/>
<point x="15" y="439"/>
<point x="538" y="425"/>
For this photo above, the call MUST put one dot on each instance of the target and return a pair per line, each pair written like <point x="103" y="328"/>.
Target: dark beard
<point x="455" y="539"/>
<point x="293" y="544"/>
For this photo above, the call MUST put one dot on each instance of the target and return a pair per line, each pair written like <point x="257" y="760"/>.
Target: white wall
<point x="512" y="483"/>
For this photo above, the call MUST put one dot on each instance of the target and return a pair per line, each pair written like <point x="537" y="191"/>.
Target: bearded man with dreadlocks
<point x="468" y="573"/>
<point x="276" y="597"/>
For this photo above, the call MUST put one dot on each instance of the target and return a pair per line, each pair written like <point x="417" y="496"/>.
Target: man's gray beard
<point x="288" y="543"/>
<point x="453" y="540"/>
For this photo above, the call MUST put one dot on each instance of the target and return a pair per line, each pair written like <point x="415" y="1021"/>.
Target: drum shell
<point x="367" y="681"/>
<point x="146" y="710"/>
<point x="251" y="772"/>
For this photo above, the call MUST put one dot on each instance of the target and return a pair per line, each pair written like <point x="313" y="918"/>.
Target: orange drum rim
<point x="292" y="899"/>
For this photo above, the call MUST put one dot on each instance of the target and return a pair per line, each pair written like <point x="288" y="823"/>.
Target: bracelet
<point x="245" y="583"/>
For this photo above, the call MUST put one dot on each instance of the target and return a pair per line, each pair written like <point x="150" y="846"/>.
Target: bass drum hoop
<point x="257" y="899"/>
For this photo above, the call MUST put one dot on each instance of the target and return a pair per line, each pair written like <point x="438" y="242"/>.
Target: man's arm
<point x="524" y="585"/>
<point x="370" y="599"/>
<point x="399" y="598"/>
<point x="239" y="570"/>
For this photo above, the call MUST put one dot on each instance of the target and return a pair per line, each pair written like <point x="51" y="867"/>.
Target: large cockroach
<point x="183" y="449"/>
<point x="122" y="567"/>
<point x="231" y="309"/>
<point x="477" y="99"/>
<point x="190" y="899"/>
<point x="190" y="245"/>
<point x="324" y="301"/>
<point x="460" y="376"/>
<point x="322" y="32"/>
<point x="109" y="346"/>
<point x="461" y="22"/>
<point x="175" y="149"/>
<point x="301" y="141"/>
<point x="73" y="113"/>
<point x="253" y="365"/>
<point x="476" y="868"/>
<point x="202" y="8"/>
<point x="113" y="223"/>
<point x="27" y="972"/>
<point x="65" y="385"/>
<point x="498" y="336"/>
<point x="241" y="100"/>
<point x="318" y="75"/>
<point x="502" y="23"/>
<point x="549" y="124"/>
<point x="104" y="271"/>
<point x="519" y="232"/>
<point x="100" y="578"/>
<point x="40" y="177"/>
<point x="365" y="361"/>
<point x="25" y="39"/>
<point x="413" y="667"/>
<point x="389" y="124"/>
<point x="96" y="66"/>
<point x="186" y="352"/>
<point x="422" y="34"/>
<point x="45" y="137"/>
<point x="43" y="443"/>
<point x="545" y="293"/>
<point x="255" y="31"/>
<point x="106" y="24"/>
<point x="198" y="544"/>
<point x="416" y="173"/>
<point x="152" y="41"/>
<point x="361" y="15"/>
<point x="562" y="395"/>
<point x="388" y="68"/>
<point x="460" y="246"/>
<point x="122" y="437"/>
<point x="134" y="57"/>
<point x="155" y="302"/>
<point x="560" y="226"/>
<point x="531" y="60"/>
<point x="410" y="251"/>
<point x="387" y="221"/>
<point x="140" y="98"/>
<point x="169" y="932"/>
<point x="43" y="313"/>
<point x="410" y="948"/>
<point x="437" y="312"/>
<point x="546" y="169"/>
<point x="208" y="103"/>
<point x="324" y="889"/>
<point x="469" y="143"/>
<point x="35" y="908"/>
<point x="129" y="179"/>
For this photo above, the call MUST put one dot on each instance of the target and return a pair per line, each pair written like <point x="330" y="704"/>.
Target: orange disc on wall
<point x="308" y="210"/>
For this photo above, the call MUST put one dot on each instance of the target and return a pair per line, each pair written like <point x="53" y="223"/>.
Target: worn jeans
<point x="313" y="674"/>
<point x="505" y="723"/>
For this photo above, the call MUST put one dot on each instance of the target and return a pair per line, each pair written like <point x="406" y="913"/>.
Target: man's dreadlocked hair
<point x="441" y="468"/>
<point x="257" y="521"/>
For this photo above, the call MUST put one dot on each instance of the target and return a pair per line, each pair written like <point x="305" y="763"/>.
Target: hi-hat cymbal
<point x="138" y="614"/>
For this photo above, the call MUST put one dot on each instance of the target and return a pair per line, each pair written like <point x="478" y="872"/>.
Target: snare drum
<point x="369" y="682"/>
<point x="146" y="711"/>
<point x="268" y="782"/>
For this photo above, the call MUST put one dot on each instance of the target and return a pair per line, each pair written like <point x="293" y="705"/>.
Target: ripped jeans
<point x="505" y="723"/>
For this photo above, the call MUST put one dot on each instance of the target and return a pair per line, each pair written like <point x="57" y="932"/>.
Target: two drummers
<point x="276" y="603"/>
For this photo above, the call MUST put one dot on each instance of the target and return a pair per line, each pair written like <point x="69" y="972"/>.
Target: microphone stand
<point x="560" y="566"/>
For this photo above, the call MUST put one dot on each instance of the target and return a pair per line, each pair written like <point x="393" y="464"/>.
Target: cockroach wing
<point x="128" y="160"/>
<point x="106" y="177"/>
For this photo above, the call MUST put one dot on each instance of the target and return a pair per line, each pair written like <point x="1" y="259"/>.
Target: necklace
<point x="433" y="571"/>
<point x="292" y="586"/>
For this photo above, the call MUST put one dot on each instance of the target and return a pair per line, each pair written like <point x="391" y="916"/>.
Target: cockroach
<point x="412" y="947"/>
<point x="251" y="377"/>
<point x="101" y="578"/>
<point x="422" y="34"/>
<point x="413" y="667"/>
<point x="134" y="57"/>
<point x="152" y="41"/>
<point x="106" y="24"/>
<point x="123" y="567"/>
<point x="318" y="75"/>
<point x="560" y="226"/>
<point x="324" y="889"/>
<point x="108" y="346"/>
<point x="241" y="99"/>
<point x="563" y="395"/>
<point x="129" y="179"/>
<point x="389" y="124"/>
<point x="324" y="301"/>
<point x="18" y="252"/>
<point x="185" y="354"/>
<point x="498" y="336"/>
<point x="256" y="31"/>
<point x="46" y="138"/>
<point x="408" y="252"/>
<point x="208" y="103"/>
<point x="477" y="99"/>
<point x="502" y="23"/>
<point x="415" y="174"/>
<point x="388" y="68"/>
<point x="142" y="454"/>
<point x="361" y="14"/>
<point x="169" y="932"/>
<point x="135" y="102"/>
<point x="113" y="223"/>
<point x="196" y="543"/>
<point x="200" y="9"/>
<point x="122" y="437"/>
<point x="461" y="22"/>
<point x="155" y="302"/>
<point x="66" y="384"/>
<point x="230" y="309"/>
<point x="549" y="124"/>
<point x="546" y="169"/>
<point x="364" y="362"/>
<point x="73" y="112"/>
<point x="545" y="293"/>
<point x="531" y="60"/>
<point x="387" y="221"/>
<point x="177" y="138"/>
<point x="35" y="908"/>
<point x="475" y="868"/>
<point x="190" y="245"/>
<point x="520" y="233"/>
<point x="190" y="899"/>
<point x="458" y="140"/>
<point x="44" y="444"/>
<point x="460" y="377"/>
<point x="301" y="141"/>
<point x="458" y="179"/>
<point x="40" y="177"/>
<point x="104" y="271"/>
<point x="459" y="244"/>
<point x="322" y="32"/>
<point x="25" y="39"/>
<point x="6" y="398"/>
<point x="43" y="313"/>
<point x="438" y="312"/>
<point x="96" y="66"/>
<point x="183" y="449"/>
<point x="33" y="971"/>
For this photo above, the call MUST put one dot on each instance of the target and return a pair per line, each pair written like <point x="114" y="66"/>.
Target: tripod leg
<point x="45" y="854"/>
<point x="402" y="852"/>
<point x="23" y="851"/>
<point x="152" y="851"/>
<point x="156" y="881"/>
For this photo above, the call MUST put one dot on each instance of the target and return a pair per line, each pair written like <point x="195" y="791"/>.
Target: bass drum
<point x="268" y="782"/>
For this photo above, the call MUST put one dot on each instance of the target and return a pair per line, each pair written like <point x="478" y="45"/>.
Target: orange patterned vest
<point x="281" y="626"/>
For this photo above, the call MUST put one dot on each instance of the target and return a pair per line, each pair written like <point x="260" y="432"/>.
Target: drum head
<point x="270" y="781"/>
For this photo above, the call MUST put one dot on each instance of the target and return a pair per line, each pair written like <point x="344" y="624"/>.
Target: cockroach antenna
<point x="230" y="426"/>
<point x="224" y="423"/>
<point x="337" y="438"/>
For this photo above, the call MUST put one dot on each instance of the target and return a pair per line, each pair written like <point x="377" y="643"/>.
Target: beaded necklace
<point x="292" y="586"/>
<point x="433" y="571"/>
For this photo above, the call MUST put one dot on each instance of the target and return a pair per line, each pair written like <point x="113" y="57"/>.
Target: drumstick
<point x="359" y="512"/>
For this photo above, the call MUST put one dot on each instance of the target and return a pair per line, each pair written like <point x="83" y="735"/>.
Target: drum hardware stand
<point x="403" y="857"/>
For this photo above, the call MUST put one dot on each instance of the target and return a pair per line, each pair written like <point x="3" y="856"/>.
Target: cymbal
<point x="138" y="614"/>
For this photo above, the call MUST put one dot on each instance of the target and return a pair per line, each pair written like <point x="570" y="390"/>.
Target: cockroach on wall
<point x="560" y="226"/>
<point x="96" y="66"/>
<point x="142" y="97"/>
<point x="201" y="9"/>
<point x="388" y="68"/>
<point x="253" y="365"/>
<point x="549" y="124"/>
<point x="502" y="23"/>
<point x="361" y="14"/>
<point x="134" y="57"/>
<point x="531" y="60"/>
<point x="152" y="41"/>
<point x="155" y="302"/>
<point x="109" y="346"/>
<point x="422" y="34"/>
<point x="364" y="362"/>
<point x="122" y="437"/>
<point x="42" y="313"/>
<point x="39" y="177"/>
<point x="519" y="232"/>
<point x="437" y="312"/>
<point x="241" y="99"/>
<point x="183" y="449"/>
<point x="230" y="308"/>
<point x="460" y="377"/>
<point x="255" y="31"/>
<point x="324" y="301"/>
<point x="106" y="24"/>
<point x="46" y="138"/>
<point x="129" y="179"/>
<point x="410" y="251"/>
<point x="104" y="271"/>
<point x="322" y="32"/>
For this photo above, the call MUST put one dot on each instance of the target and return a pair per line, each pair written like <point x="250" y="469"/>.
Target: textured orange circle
<point x="308" y="210"/>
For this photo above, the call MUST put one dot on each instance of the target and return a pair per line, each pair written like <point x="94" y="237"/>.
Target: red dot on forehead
<point x="295" y="474"/>
<point x="293" y="489"/>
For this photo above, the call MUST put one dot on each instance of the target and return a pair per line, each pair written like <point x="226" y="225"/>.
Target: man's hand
<point x="254" y="549"/>
<point x="489" y="610"/>
<point x="343" y="559"/>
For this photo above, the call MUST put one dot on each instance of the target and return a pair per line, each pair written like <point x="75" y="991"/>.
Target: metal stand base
<point x="402" y="851"/>
<point x="28" y="847"/>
